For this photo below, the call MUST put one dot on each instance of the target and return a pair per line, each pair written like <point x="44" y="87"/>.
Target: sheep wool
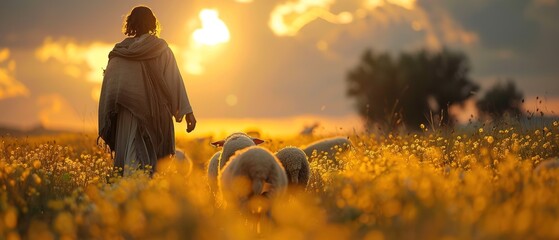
<point x="183" y="160"/>
<point x="296" y="165"/>
<point x="547" y="165"/>
<point x="231" y="144"/>
<point x="252" y="172"/>
<point x="328" y="147"/>
<point x="213" y="168"/>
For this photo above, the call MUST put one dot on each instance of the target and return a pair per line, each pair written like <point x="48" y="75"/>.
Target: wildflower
<point x="10" y="218"/>
<point x="64" y="223"/>
<point x="37" y="164"/>
<point x="490" y="139"/>
<point x="480" y="130"/>
<point x="36" y="178"/>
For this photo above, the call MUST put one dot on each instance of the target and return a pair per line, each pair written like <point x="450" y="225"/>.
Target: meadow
<point x="434" y="184"/>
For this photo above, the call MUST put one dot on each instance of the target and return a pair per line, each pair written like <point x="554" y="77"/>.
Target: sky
<point x="275" y="63"/>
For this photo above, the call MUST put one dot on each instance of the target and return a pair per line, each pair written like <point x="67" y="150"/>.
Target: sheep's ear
<point x="218" y="143"/>
<point x="257" y="141"/>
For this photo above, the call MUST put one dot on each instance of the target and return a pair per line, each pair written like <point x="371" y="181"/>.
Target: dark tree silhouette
<point x="410" y="88"/>
<point x="501" y="100"/>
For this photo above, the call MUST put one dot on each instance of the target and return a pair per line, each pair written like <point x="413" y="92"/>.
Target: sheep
<point x="175" y="163"/>
<point x="231" y="144"/>
<point x="296" y="165"/>
<point x="180" y="155"/>
<point x="213" y="169"/>
<point x="547" y="165"/>
<point x="252" y="172"/>
<point x="329" y="147"/>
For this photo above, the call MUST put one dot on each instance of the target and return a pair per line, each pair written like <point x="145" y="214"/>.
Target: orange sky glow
<point x="278" y="68"/>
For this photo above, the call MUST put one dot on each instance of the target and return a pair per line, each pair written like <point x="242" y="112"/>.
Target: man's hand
<point x="190" y="122"/>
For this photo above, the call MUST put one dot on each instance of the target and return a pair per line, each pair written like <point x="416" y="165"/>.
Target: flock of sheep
<point x="242" y="170"/>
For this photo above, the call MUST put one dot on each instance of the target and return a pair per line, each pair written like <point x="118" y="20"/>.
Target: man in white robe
<point x="142" y="90"/>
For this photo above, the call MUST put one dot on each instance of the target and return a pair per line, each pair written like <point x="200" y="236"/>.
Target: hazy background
<point x="280" y="64"/>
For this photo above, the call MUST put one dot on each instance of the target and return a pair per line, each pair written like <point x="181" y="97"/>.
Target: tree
<point x="501" y="100"/>
<point x="409" y="89"/>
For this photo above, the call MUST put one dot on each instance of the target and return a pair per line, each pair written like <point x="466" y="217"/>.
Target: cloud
<point x="438" y="26"/>
<point x="9" y="86"/>
<point x="288" y="18"/>
<point x="85" y="61"/>
<point x="93" y="56"/>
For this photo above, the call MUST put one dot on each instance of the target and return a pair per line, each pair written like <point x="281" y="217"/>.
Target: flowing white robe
<point x="142" y="90"/>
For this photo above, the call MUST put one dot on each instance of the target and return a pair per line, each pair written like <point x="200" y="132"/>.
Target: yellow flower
<point x="36" y="178"/>
<point x="10" y="218"/>
<point x="64" y="223"/>
<point x="37" y="164"/>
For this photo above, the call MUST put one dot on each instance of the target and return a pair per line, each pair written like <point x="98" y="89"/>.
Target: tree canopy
<point x="501" y="100"/>
<point x="409" y="89"/>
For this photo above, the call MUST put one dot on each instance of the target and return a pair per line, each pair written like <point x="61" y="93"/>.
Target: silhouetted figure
<point x="142" y="90"/>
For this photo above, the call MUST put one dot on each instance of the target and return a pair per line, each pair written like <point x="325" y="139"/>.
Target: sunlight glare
<point x="213" y="31"/>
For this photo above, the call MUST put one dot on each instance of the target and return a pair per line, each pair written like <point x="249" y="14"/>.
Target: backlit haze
<point x="274" y="66"/>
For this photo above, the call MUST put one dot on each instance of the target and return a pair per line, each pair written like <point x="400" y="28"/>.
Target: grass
<point x="427" y="185"/>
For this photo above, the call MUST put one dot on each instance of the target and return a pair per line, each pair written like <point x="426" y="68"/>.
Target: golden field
<point x="435" y="184"/>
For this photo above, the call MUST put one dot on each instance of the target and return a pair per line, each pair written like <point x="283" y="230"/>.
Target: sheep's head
<point x="234" y="143"/>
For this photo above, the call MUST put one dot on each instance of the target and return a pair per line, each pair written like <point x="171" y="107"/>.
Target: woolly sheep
<point x="231" y="144"/>
<point x="547" y="165"/>
<point x="296" y="165"/>
<point x="213" y="169"/>
<point x="328" y="147"/>
<point x="251" y="172"/>
<point x="180" y="155"/>
<point x="183" y="159"/>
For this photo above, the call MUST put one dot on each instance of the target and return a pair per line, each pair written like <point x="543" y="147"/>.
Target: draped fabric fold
<point x="142" y="78"/>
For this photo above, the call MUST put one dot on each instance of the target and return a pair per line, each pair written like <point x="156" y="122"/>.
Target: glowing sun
<point x="213" y="30"/>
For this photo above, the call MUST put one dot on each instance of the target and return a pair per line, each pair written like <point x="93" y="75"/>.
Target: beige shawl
<point x="142" y="76"/>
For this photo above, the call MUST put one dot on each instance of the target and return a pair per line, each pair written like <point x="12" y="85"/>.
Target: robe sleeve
<point x="180" y="105"/>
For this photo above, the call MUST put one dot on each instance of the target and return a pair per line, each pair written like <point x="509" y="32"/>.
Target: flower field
<point x="435" y="184"/>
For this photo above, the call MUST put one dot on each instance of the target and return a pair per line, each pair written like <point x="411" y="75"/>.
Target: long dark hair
<point x="139" y="21"/>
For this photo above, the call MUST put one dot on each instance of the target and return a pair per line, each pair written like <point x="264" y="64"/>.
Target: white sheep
<point x="183" y="160"/>
<point x="231" y="144"/>
<point x="329" y="148"/>
<point x="180" y="155"/>
<point x="547" y="165"/>
<point x="213" y="169"/>
<point x="250" y="173"/>
<point x="296" y="165"/>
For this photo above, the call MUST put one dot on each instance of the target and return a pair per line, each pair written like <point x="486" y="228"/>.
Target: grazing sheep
<point x="250" y="173"/>
<point x="180" y="155"/>
<point x="213" y="169"/>
<point x="328" y="147"/>
<point x="183" y="160"/>
<point x="547" y="165"/>
<point x="231" y="144"/>
<point x="296" y="165"/>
